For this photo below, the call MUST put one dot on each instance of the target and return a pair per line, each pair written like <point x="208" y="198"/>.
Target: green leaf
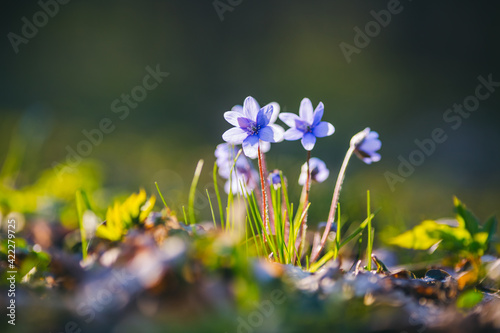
<point x="490" y="227"/>
<point x="428" y="233"/>
<point x="421" y="237"/>
<point x="453" y="239"/>
<point x="469" y="299"/>
<point x="465" y="217"/>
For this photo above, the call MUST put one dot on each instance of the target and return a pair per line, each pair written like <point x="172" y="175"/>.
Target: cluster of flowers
<point x="255" y="129"/>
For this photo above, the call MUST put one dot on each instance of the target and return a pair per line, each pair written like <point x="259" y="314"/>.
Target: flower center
<point x="253" y="128"/>
<point x="314" y="173"/>
<point x="303" y="126"/>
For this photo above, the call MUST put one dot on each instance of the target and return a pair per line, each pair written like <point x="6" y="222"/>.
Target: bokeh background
<point x="427" y="58"/>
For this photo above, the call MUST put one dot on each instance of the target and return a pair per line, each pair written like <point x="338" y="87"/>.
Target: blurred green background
<point x="64" y="80"/>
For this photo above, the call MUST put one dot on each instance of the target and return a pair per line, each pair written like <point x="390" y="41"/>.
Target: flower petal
<point x="264" y="115"/>
<point x="266" y="134"/>
<point x="322" y="171"/>
<point x="303" y="178"/>
<point x="237" y="108"/>
<point x="322" y="175"/>
<point x="251" y="108"/>
<point x="278" y="132"/>
<point x="276" y="112"/>
<point x="303" y="172"/>
<point x="308" y="141"/>
<point x="293" y="134"/>
<point x="370" y="145"/>
<point x="367" y="160"/>
<point x="270" y="134"/>
<point x="235" y="135"/>
<point x="274" y="178"/>
<point x="227" y="186"/>
<point x="225" y="154"/>
<point x="222" y="150"/>
<point x="372" y="135"/>
<point x="232" y="117"/>
<point x="323" y="129"/>
<point x="376" y="157"/>
<point x="251" y="145"/>
<point x="302" y="126"/>
<point x="289" y="118"/>
<point x="265" y="146"/>
<point x="244" y="122"/>
<point x="318" y="114"/>
<point x="306" y="110"/>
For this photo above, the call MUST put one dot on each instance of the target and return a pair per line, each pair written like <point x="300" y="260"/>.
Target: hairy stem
<point x="333" y="207"/>
<point x="268" y="194"/>
<point x="265" y="214"/>
<point x="303" y="226"/>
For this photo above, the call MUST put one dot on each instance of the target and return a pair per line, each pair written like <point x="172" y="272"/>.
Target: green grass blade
<point x="369" y="243"/>
<point x="338" y="233"/>
<point x="192" y="191"/>
<point x="230" y="206"/>
<point x="285" y="194"/>
<point x="211" y="209"/>
<point x="330" y="254"/>
<point x="161" y="195"/>
<point x="217" y="194"/>
<point x="270" y="240"/>
<point x="185" y="216"/>
<point x="246" y="234"/>
<point x="314" y="267"/>
<point x="356" y="232"/>
<point x="277" y="223"/>
<point x="255" y="232"/>
<point x="81" y="206"/>
<point x="249" y="220"/>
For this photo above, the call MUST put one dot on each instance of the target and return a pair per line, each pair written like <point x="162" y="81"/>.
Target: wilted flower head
<point x="243" y="170"/>
<point x="366" y="144"/>
<point x="251" y="126"/>
<point x="308" y="126"/>
<point x="319" y="171"/>
<point x="275" y="178"/>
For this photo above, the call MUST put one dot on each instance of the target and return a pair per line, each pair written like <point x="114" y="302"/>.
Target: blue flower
<point x="242" y="183"/>
<point x="251" y="126"/>
<point x="264" y="145"/>
<point x="237" y="172"/>
<point x="308" y="126"/>
<point x="366" y="144"/>
<point x="319" y="171"/>
<point x="275" y="178"/>
<point x="225" y="155"/>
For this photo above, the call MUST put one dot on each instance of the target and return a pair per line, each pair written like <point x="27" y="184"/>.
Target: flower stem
<point x="265" y="215"/>
<point x="306" y="202"/>
<point x="335" y="201"/>
<point x="268" y="194"/>
<point x="370" y="238"/>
